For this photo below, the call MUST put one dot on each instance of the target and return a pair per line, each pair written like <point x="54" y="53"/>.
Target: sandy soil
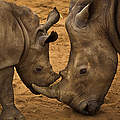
<point x="42" y="108"/>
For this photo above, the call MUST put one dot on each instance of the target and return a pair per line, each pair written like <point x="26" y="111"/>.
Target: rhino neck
<point x="26" y="41"/>
<point x="118" y="17"/>
<point x="109" y="11"/>
<point x="113" y="24"/>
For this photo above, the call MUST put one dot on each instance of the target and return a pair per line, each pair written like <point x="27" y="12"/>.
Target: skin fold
<point x="24" y="46"/>
<point x="94" y="35"/>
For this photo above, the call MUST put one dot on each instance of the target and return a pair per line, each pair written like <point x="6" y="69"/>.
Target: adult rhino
<point x="24" y="44"/>
<point x="93" y="27"/>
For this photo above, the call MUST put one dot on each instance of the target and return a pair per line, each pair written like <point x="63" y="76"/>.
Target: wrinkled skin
<point x="25" y="46"/>
<point x="93" y="58"/>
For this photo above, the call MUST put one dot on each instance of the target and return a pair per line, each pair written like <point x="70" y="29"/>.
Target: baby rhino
<point x="24" y="44"/>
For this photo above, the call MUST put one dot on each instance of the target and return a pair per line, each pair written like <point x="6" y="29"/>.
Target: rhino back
<point x="11" y="37"/>
<point x="28" y="18"/>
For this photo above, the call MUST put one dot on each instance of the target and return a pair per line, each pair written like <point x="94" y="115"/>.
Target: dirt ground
<point x="42" y="108"/>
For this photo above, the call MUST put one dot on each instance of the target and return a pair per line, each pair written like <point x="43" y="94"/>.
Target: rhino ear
<point x="72" y="3"/>
<point x="81" y="18"/>
<point x="44" y="39"/>
<point x="52" y="37"/>
<point x="52" y="19"/>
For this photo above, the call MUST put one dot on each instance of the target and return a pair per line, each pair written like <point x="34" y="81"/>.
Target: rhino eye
<point x="83" y="71"/>
<point x="38" y="69"/>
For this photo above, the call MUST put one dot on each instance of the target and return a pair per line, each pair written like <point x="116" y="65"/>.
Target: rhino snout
<point x="89" y="107"/>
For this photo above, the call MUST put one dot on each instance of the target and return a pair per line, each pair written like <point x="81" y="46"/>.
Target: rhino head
<point x="93" y="58"/>
<point x="35" y="67"/>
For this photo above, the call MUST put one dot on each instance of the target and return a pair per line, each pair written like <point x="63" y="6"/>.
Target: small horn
<point x="51" y="92"/>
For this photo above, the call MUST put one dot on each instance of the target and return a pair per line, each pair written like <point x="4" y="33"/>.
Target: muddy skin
<point x="24" y="46"/>
<point x="93" y="58"/>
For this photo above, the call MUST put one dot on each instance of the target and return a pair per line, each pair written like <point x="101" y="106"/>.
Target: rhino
<point x="24" y="45"/>
<point x="93" y="27"/>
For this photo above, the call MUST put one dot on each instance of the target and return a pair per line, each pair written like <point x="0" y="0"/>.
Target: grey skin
<point x="24" y="45"/>
<point x="93" y="27"/>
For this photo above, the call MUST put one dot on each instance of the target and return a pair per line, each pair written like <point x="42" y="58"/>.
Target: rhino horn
<point x="53" y="18"/>
<point x="51" y="92"/>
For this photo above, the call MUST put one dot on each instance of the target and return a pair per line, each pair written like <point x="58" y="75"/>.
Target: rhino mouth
<point x="88" y="107"/>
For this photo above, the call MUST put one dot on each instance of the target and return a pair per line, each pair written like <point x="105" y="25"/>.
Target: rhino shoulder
<point x="29" y="19"/>
<point x="11" y="37"/>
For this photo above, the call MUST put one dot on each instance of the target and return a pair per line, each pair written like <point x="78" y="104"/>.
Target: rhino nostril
<point x="90" y="108"/>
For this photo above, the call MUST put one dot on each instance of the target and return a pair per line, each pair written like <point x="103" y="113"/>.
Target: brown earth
<point x="42" y="108"/>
